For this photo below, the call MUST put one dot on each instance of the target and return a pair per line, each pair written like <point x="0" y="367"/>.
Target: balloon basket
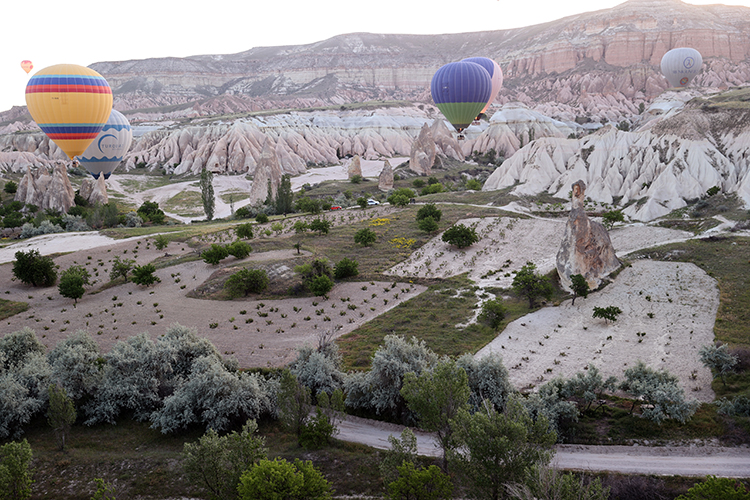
<point x="461" y="137"/>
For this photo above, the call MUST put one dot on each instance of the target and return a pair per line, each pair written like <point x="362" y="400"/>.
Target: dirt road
<point x="661" y="460"/>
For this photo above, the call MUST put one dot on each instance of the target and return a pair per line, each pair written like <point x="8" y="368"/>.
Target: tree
<point x="320" y="285"/>
<point x="437" y="396"/>
<point x="493" y="313"/>
<point x="610" y="218"/>
<point x="608" y="313"/>
<point x="150" y="211"/>
<point x="549" y="483"/>
<point x="207" y="192"/>
<point x="10" y="187"/>
<point x="261" y="218"/>
<point x="216" y="463"/>
<point x="215" y="254"/>
<point x="144" y="275"/>
<point x="76" y="365"/>
<point x="401" y="197"/>
<point x="714" y="488"/>
<point x="488" y="381"/>
<point x="587" y="387"/>
<point x="403" y="449"/>
<point x="160" y="241"/>
<point x="659" y="393"/>
<point x="365" y="237"/>
<point x="104" y="490"/>
<point x="280" y="480"/>
<point x="239" y="249"/>
<point x="121" y="267"/>
<point x="247" y="281"/>
<point x="420" y="483"/>
<point x="294" y="402"/>
<point x="496" y="448"/>
<point x="429" y="210"/>
<point x="15" y="470"/>
<point x="460" y="236"/>
<point x="300" y="227"/>
<point x="345" y="268"/>
<point x="580" y="287"/>
<point x="320" y="225"/>
<point x="34" y="269"/>
<point x="718" y="359"/>
<point x="61" y="413"/>
<point x="362" y="202"/>
<point x="308" y="205"/>
<point x="428" y="225"/>
<point x="72" y="282"/>
<point x="244" y="231"/>
<point x="284" y="202"/>
<point x="527" y="283"/>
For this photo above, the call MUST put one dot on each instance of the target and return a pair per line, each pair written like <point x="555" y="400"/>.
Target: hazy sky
<point x="83" y="32"/>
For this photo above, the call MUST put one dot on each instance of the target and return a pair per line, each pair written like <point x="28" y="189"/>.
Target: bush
<point x="530" y="285"/>
<point x="460" y="236"/>
<point x="278" y="479"/>
<point x="15" y="470"/>
<point x="365" y="237"/>
<point x="261" y="218"/>
<point x="473" y="185"/>
<point x="121" y="267"/>
<point x="432" y="189"/>
<point x="346" y="268"/>
<point x="239" y="249"/>
<point x="307" y="205"/>
<point x="713" y="487"/>
<point x="608" y="313"/>
<point x="243" y="213"/>
<point x="429" y="210"/>
<point x="493" y="313"/>
<point x="132" y="219"/>
<point x="247" y="281"/>
<point x="659" y="393"/>
<point x="317" y="431"/>
<point x="428" y="225"/>
<point x="318" y="370"/>
<point x="28" y="230"/>
<point x="215" y="254"/>
<point x="144" y="275"/>
<point x="72" y="282"/>
<point x="488" y="380"/>
<point x="320" y="285"/>
<point x="161" y="241"/>
<point x="420" y="483"/>
<point x="320" y="225"/>
<point x="244" y="231"/>
<point x="10" y="187"/>
<point x="401" y="197"/>
<point x="33" y="269"/>
<point x="150" y="211"/>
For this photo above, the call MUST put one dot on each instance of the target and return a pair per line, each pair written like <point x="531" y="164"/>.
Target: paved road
<point x="673" y="460"/>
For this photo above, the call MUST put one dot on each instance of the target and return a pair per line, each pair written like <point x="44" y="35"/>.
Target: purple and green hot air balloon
<point x="496" y="74"/>
<point x="460" y="91"/>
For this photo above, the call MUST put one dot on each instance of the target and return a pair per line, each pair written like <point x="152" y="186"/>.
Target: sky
<point x="83" y="32"/>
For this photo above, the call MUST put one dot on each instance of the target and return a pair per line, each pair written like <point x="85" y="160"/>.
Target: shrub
<point x="132" y="219"/>
<point x="428" y="225"/>
<point x="144" y="275"/>
<point x="320" y="285"/>
<point x="279" y="479"/>
<point x="239" y="249"/>
<point x="318" y="370"/>
<point x="261" y="218"/>
<point x="242" y="213"/>
<point x="401" y="197"/>
<point x="420" y="483"/>
<point x="488" y="380"/>
<point x="659" y="393"/>
<point x="317" y="431"/>
<point x="15" y="470"/>
<point x="608" y="313"/>
<point x="718" y="359"/>
<point x="72" y="282"/>
<point x="432" y="189"/>
<point x="161" y="241"/>
<point x="76" y="363"/>
<point x="150" y="211"/>
<point x="365" y="237"/>
<point x="28" y="230"/>
<point x="247" y="281"/>
<point x="300" y="226"/>
<point x="460" y="236"/>
<point x="307" y="205"/>
<point x="10" y="187"/>
<point x="121" y="267"/>
<point x="215" y="254"/>
<point x="320" y="225"/>
<point x="717" y="487"/>
<point x="429" y="210"/>
<point x="244" y="231"/>
<point x="527" y="283"/>
<point x="346" y="268"/>
<point x="473" y="185"/>
<point x="493" y="313"/>
<point x="33" y="269"/>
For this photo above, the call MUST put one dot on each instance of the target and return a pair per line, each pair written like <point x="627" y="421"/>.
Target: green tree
<point x="121" y="267"/>
<point x="104" y="490"/>
<point x="659" y="393"/>
<point x="460" y="236"/>
<point x="61" y="413"/>
<point x="715" y="488"/>
<point x="300" y="226"/>
<point x="362" y="202"/>
<point x="280" y="480"/>
<point x="420" y="483"/>
<point x="246" y="281"/>
<point x="244" y="230"/>
<point x="215" y="254"/>
<point x="549" y="483"/>
<point x="34" y="269"/>
<point x="216" y="463"/>
<point x="365" y="237"/>
<point x="307" y="205"/>
<point x="610" y="218"/>
<point x="608" y="313"/>
<point x="161" y="241"/>
<point x="718" y="359"/>
<point x="239" y="249"/>
<point x="530" y="285"/>
<point x="474" y="185"/>
<point x="294" y="402"/>
<point x="493" y="448"/>
<point x="345" y="268"/>
<point x="150" y="210"/>
<point x="144" y="275"/>
<point x="437" y="396"/>
<point x="401" y="197"/>
<point x="320" y="285"/>
<point x="403" y="449"/>
<point x="10" y="187"/>
<point x="261" y="218"/>
<point x="284" y="202"/>
<point x="72" y="282"/>
<point x="317" y="430"/>
<point x="15" y="471"/>
<point x="322" y="226"/>
<point x="493" y="313"/>
<point x="207" y="192"/>
<point x="580" y="287"/>
<point x="428" y="225"/>
<point x="429" y="210"/>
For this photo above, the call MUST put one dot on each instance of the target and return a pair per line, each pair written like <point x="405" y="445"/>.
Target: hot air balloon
<point x="27" y="66"/>
<point x="105" y="153"/>
<point x="70" y="103"/>
<point x="460" y="91"/>
<point x="496" y="74"/>
<point x="680" y="65"/>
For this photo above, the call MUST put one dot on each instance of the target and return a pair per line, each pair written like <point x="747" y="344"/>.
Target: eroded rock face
<point x="586" y="248"/>
<point x="423" y="152"/>
<point x="385" y="181"/>
<point x="354" y="167"/>
<point x="47" y="191"/>
<point x="94" y="191"/>
<point x="267" y="176"/>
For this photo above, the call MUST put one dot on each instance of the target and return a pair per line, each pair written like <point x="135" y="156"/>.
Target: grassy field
<point x="9" y="308"/>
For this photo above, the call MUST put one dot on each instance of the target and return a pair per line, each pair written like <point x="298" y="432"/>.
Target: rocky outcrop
<point x="586" y="248"/>
<point x="385" y="180"/>
<point x="53" y="192"/>
<point x="94" y="191"/>
<point x="267" y="176"/>
<point x="432" y="140"/>
<point x="354" y="168"/>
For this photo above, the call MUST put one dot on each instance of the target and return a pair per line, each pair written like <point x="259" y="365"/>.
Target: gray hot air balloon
<point x="680" y="65"/>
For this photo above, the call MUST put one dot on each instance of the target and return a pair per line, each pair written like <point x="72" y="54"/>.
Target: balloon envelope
<point x="496" y="75"/>
<point x="680" y="65"/>
<point x="460" y="91"/>
<point x="105" y="153"/>
<point x="70" y="103"/>
<point x="27" y="66"/>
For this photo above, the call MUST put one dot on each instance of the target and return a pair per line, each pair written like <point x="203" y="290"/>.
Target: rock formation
<point x="94" y="191"/>
<point x="267" y="176"/>
<point x="586" y="248"/>
<point x="47" y="191"/>
<point x="423" y="152"/>
<point x="354" y="168"/>
<point x="385" y="181"/>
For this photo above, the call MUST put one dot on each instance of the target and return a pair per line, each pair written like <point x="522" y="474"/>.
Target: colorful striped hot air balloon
<point x="105" y="153"/>
<point x="460" y="91"/>
<point x="496" y="74"/>
<point x="27" y="66"/>
<point x="70" y="103"/>
<point x="680" y="65"/>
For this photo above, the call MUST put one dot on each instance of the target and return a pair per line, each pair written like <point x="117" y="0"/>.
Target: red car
<point x="336" y="207"/>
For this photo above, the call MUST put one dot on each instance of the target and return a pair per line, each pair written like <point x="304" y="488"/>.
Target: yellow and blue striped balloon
<point x="70" y="103"/>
